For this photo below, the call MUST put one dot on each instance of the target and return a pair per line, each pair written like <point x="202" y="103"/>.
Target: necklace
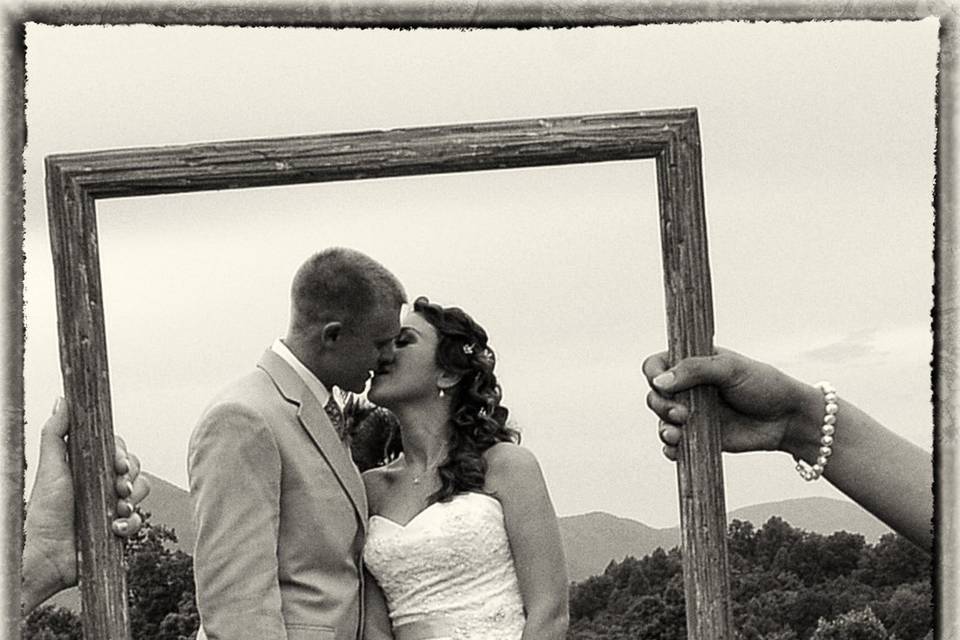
<point x="429" y="468"/>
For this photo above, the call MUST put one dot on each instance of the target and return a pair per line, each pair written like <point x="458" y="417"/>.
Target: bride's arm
<point x="515" y="479"/>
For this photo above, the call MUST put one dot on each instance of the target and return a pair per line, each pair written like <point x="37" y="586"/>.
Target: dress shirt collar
<point x="313" y="383"/>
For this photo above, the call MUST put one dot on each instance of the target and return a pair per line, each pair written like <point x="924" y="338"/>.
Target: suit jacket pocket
<point x="309" y="632"/>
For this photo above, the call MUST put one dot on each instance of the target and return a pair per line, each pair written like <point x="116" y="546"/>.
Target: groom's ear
<point x="330" y="333"/>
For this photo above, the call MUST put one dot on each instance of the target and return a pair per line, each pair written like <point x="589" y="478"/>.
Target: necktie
<point x="335" y="415"/>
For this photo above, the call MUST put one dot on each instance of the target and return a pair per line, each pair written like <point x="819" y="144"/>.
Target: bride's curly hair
<point x="478" y="420"/>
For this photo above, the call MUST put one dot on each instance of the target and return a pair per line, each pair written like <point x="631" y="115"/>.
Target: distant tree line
<point x="160" y="587"/>
<point x="786" y="583"/>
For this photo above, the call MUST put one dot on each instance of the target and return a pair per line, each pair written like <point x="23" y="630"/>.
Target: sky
<point x="818" y="142"/>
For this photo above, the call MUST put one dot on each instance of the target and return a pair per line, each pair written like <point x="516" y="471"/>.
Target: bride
<point x="463" y="541"/>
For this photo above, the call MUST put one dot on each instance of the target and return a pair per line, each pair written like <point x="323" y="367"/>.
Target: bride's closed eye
<point x="405" y="338"/>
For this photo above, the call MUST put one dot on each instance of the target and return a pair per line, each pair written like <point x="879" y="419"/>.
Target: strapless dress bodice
<point x="449" y="572"/>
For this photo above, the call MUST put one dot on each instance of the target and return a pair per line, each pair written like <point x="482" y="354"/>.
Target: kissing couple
<point x="453" y="539"/>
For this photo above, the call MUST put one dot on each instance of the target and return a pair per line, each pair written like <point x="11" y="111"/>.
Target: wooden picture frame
<point x="76" y="181"/>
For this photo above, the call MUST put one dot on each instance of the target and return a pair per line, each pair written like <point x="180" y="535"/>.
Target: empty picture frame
<point x="75" y="182"/>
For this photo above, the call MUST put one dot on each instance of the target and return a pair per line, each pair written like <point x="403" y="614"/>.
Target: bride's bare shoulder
<point x="508" y="453"/>
<point x="507" y="462"/>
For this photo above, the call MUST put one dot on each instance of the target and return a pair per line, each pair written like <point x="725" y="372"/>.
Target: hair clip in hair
<point x="468" y="349"/>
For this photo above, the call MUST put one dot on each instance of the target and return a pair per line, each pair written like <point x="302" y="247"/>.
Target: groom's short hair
<point x="341" y="284"/>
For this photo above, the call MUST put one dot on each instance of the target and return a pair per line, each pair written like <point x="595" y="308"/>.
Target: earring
<point x="441" y="394"/>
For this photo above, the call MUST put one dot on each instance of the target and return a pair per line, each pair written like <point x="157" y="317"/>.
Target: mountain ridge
<point x="591" y="540"/>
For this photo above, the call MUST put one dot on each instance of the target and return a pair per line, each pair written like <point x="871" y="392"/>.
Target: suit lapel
<point x="315" y="422"/>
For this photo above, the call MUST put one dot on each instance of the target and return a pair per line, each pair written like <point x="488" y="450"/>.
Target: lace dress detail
<point x="450" y="564"/>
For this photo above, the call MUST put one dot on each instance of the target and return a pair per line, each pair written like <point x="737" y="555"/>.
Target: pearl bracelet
<point x="830" y="409"/>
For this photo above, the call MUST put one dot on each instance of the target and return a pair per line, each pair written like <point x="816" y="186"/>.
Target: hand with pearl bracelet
<point x="763" y="409"/>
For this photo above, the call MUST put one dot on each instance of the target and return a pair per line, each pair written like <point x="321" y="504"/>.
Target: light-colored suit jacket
<point x="280" y="514"/>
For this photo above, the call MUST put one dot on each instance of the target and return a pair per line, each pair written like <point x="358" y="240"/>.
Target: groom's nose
<point x="387" y="353"/>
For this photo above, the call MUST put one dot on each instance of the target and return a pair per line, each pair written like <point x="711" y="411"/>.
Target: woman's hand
<point x="761" y="408"/>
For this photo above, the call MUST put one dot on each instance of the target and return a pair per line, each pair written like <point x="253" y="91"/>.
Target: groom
<point x="279" y="506"/>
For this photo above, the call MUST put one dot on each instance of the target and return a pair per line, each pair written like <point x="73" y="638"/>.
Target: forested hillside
<point x="787" y="584"/>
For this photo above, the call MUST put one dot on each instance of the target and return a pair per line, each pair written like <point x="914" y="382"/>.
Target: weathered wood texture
<point x="690" y="329"/>
<point x="670" y="136"/>
<point x="83" y="361"/>
<point x="371" y="154"/>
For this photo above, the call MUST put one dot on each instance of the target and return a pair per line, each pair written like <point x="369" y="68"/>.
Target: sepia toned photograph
<point x="394" y="326"/>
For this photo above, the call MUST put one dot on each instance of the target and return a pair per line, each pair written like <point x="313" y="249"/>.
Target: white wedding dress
<point x="448" y="574"/>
